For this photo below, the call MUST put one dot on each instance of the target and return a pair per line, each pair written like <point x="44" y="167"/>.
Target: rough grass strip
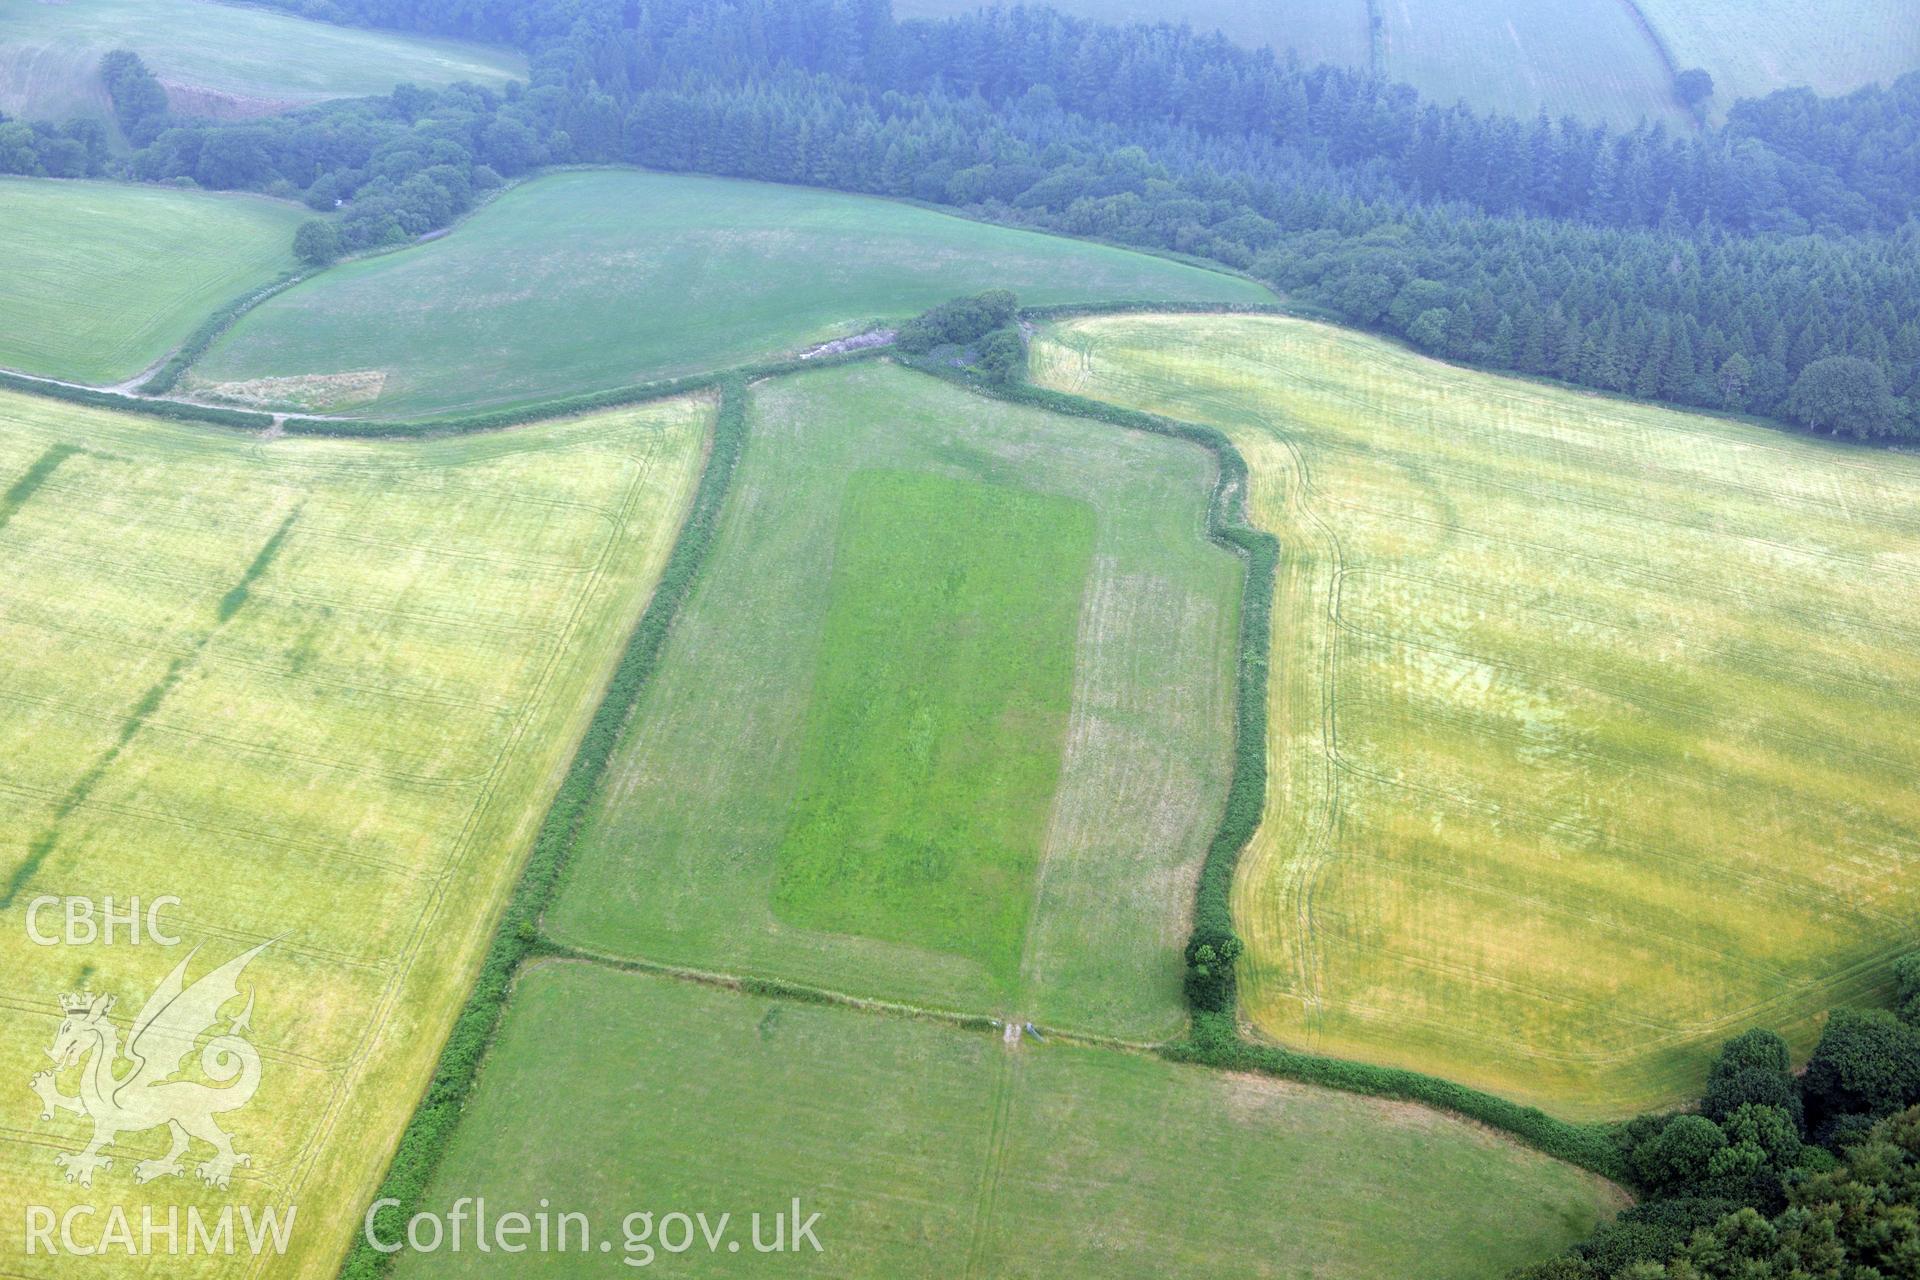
<point x="1215" y="1038"/>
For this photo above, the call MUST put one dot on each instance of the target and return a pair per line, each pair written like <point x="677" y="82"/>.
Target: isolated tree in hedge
<point x="1003" y="356"/>
<point x="1693" y="86"/>
<point x="316" y="243"/>
<point x="1210" y="974"/>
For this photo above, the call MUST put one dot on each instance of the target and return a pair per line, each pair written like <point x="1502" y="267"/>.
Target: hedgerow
<point x="517" y="937"/>
<point x="167" y="376"/>
<point x="171" y="409"/>
<point x="565" y="406"/>
<point x="1214" y="1039"/>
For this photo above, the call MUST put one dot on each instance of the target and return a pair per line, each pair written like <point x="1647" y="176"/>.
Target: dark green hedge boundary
<point x="168" y="375"/>
<point x="1215" y="1039"/>
<point x="771" y="988"/>
<point x="1216" y="1042"/>
<point x="1070" y="310"/>
<point x="566" y="406"/>
<point x="1227" y="525"/>
<point x="171" y="409"/>
<point x="425" y="428"/>
<point x="517" y="938"/>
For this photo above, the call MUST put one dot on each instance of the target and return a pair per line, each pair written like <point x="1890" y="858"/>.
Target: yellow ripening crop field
<point x="311" y="694"/>
<point x="1592" y="724"/>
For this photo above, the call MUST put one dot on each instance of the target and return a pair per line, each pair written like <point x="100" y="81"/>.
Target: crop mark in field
<point x="136" y="718"/>
<point x="35" y="475"/>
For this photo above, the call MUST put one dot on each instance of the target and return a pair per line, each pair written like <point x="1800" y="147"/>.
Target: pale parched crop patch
<point x="310" y="393"/>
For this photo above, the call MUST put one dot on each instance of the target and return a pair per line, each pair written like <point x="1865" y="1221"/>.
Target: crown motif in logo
<point x="77" y="1002"/>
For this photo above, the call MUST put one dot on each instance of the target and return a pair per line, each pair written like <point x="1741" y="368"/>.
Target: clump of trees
<point x="139" y="100"/>
<point x="961" y="322"/>
<point x="979" y="333"/>
<point x="1693" y="86"/>
<point x="1777" y="1177"/>
<point x="317" y="243"/>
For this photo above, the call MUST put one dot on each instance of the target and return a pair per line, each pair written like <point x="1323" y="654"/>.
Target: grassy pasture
<point x="579" y="281"/>
<point x="712" y="845"/>
<point x="102" y="279"/>
<point x="217" y="59"/>
<point x="1753" y="47"/>
<point x="929" y="1151"/>
<point x="319" y="691"/>
<point x="939" y="714"/>
<point x="1591" y="722"/>
<point x="1318" y="30"/>
<point x="1587" y="58"/>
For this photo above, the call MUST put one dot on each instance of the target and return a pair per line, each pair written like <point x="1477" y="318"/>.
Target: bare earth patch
<point x="312" y="391"/>
<point x="202" y="103"/>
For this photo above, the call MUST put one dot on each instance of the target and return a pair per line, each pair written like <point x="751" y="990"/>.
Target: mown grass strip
<point x="1214" y="1038"/>
<point x="517" y="937"/>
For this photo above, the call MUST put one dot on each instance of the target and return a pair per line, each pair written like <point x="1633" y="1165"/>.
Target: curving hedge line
<point x="517" y="938"/>
<point x="1215" y="1039"/>
<point x="1227" y="525"/>
<point x="167" y="376"/>
<point x="565" y="406"/>
<point x="1216" y="1042"/>
<point x="1070" y="310"/>
<point x="171" y="409"/>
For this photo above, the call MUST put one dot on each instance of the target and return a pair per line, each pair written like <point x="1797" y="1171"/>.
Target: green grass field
<point x="1753" y="47"/>
<point x="1592" y="723"/>
<point x="1318" y="30"/>
<point x="103" y="279"/>
<point x="1582" y="57"/>
<point x="320" y="692"/>
<point x="713" y="845"/>
<point x="217" y="59"/>
<point x="940" y="701"/>
<point x="1587" y="58"/>
<point x="580" y="281"/>
<point x="934" y="1152"/>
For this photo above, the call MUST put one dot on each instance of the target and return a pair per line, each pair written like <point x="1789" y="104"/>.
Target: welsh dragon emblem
<point x="142" y="1095"/>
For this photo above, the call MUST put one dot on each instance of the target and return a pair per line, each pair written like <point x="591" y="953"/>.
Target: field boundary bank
<point x="194" y="413"/>
<point x="515" y="938"/>
<point x="1215" y="1039"/>
<point x="166" y="376"/>
<point x="1659" y="42"/>
<point x="547" y="949"/>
